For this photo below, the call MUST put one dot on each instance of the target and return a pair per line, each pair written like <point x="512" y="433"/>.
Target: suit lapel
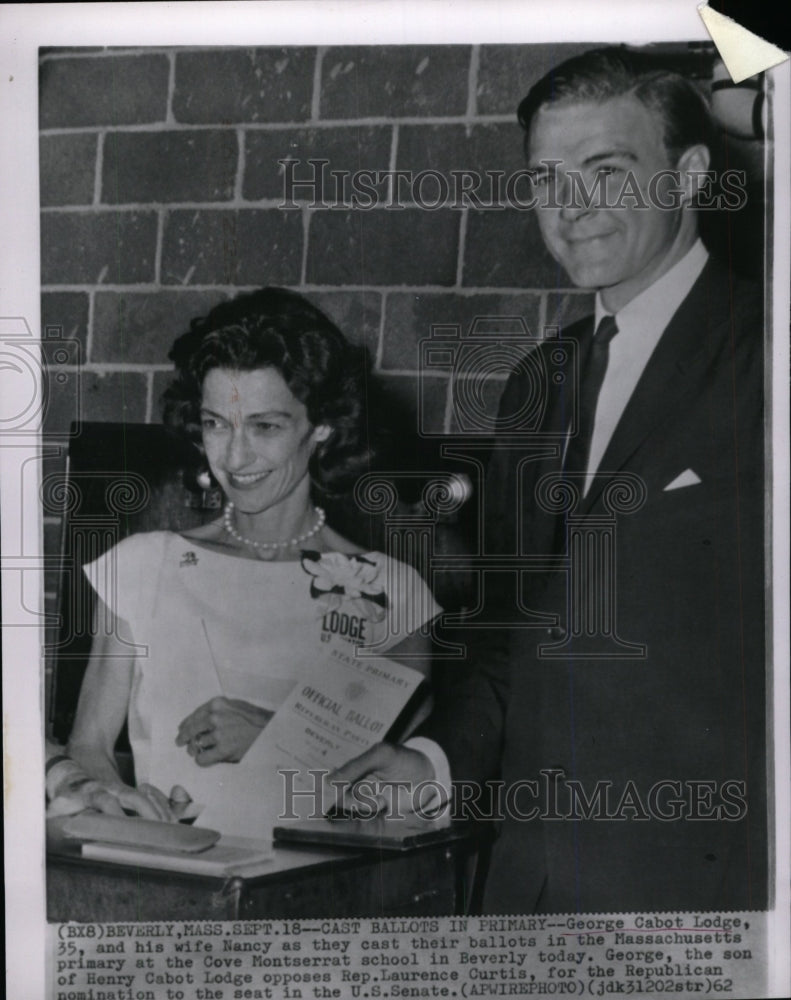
<point x="672" y="372"/>
<point x="542" y="527"/>
<point x="561" y="402"/>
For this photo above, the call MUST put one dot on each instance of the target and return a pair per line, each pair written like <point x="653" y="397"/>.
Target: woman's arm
<point x="101" y="711"/>
<point x="104" y="700"/>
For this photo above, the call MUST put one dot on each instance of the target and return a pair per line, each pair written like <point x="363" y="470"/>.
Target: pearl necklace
<point x="227" y="520"/>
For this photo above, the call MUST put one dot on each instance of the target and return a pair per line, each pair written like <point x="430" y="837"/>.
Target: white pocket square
<point x="687" y="478"/>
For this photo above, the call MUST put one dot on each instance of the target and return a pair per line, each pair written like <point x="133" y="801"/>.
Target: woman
<point x="210" y="630"/>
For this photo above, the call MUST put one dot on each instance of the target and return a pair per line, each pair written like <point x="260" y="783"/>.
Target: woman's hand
<point x="223" y="729"/>
<point x="77" y="793"/>
<point x="135" y="799"/>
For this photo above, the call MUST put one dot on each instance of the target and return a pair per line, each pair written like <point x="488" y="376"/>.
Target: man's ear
<point x="692" y="166"/>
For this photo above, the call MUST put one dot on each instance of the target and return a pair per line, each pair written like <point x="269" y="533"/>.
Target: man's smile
<point x="576" y="241"/>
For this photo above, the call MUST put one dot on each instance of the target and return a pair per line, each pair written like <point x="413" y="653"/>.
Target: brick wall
<point x="160" y="192"/>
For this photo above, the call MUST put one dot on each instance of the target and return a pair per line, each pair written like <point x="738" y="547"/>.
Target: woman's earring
<point x="203" y="479"/>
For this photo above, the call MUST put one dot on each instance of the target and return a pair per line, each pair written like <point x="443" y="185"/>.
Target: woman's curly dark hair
<point x="277" y="328"/>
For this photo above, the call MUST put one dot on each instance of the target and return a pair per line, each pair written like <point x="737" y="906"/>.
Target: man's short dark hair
<point x="603" y="74"/>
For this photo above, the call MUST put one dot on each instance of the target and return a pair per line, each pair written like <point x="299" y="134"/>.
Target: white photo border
<point x="25" y="28"/>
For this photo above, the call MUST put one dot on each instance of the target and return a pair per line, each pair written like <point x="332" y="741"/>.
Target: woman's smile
<point x="240" y="481"/>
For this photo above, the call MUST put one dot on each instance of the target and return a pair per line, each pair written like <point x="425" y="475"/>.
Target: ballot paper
<point x="334" y="714"/>
<point x="341" y="706"/>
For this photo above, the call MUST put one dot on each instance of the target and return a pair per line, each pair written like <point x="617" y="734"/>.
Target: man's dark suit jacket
<point x="690" y="588"/>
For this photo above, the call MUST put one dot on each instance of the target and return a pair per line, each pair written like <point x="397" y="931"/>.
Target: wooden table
<point x="430" y="880"/>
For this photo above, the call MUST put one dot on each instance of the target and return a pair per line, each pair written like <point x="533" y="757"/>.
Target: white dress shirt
<point x="641" y="324"/>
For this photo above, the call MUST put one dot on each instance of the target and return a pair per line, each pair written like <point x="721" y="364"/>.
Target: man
<point x="659" y="701"/>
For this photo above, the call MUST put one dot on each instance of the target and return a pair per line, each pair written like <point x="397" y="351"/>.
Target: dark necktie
<point x="592" y="374"/>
